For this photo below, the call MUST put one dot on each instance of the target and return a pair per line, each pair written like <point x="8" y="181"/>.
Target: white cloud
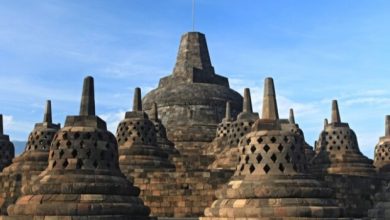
<point x="112" y="119"/>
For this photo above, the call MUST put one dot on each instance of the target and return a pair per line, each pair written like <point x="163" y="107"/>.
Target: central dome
<point x="193" y="97"/>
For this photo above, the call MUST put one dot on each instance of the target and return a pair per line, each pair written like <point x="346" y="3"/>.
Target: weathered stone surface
<point x="382" y="151"/>
<point x="26" y="167"/>
<point x="191" y="101"/>
<point x="381" y="209"/>
<point x="225" y="147"/>
<point x="340" y="163"/>
<point x="271" y="180"/>
<point x="337" y="150"/>
<point x="7" y="149"/>
<point x="83" y="179"/>
<point x="137" y="139"/>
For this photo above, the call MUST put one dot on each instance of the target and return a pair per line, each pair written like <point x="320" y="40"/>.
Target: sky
<point x="316" y="51"/>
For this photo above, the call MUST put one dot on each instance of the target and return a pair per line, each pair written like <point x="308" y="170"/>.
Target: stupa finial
<point x="387" y="128"/>
<point x="335" y="112"/>
<point x="247" y="105"/>
<point x="291" y="117"/>
<point x="137" y="102"/>
<point x="47" y="117"/>
<point x="87" y="106"/>
<point x="325" y="122"/>
<point x="228" y="113"/>
<point x="270" y="108"/>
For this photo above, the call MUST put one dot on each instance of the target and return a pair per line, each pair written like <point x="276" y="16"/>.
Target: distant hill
<point x="19" y="146"/>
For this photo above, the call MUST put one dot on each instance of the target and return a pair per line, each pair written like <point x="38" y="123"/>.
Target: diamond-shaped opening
<point x="61" y="153"/>
<point x="54" y="164"/>
<point x="259" y="158"/>
<point x="259" y="140"/>
<point x="243" y="150"/>
<point x="281" y="168"/>
<point x="288" y="158"/>
<point x="74" y="153"/>
<point x="79" y="164"/>
<point x="239" y="159"/>
<point x="242" y="167"/>
<point x="280" y="147"/>
<point x="65" y="164"/>
<point x="65" y="136"/>
<point x="251" y="168"/>
<point x="246" y="158"/>
<point x="273" y="158"/>
<point x="253" y="148"/>
<point x="273" y="139"/>
<point x="76" y="135"/>
<point x="266" y="168"/>
<point x="68" y="143"/>
<point x="266" y="148"/>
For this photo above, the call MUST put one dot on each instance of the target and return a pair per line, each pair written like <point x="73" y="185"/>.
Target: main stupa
<point x="191" y="101"/>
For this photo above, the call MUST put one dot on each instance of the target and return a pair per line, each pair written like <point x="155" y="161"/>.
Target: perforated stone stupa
<point x="137" y="139"/>
<point x="271" y="180"/>
<point x="337" y="150"/>
<point x="382" y="151"/>
<point x="83" y="179"/>
<point x="340" y="163"/>
<point x="191" y="101"/>
<point x="225" y="147"/>
<point x="7" y="149"/>
<point x="26" y="167"/>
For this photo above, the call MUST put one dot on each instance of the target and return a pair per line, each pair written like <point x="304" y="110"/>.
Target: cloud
<point x="112" y="119"/>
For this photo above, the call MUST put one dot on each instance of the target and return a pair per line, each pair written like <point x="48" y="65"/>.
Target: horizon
<point x="315" y="51"/>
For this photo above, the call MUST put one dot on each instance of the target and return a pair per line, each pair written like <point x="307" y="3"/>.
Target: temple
<point x="193" y="148"/>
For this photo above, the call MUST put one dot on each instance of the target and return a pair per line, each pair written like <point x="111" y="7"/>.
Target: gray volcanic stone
<point x="83" y="179"/>
<point x="382" y="151"/>
<point x="7" y="149"/>
<point x="191" y="101"/>
<point x="26" y="167"/>
<point x="271" y="179"/>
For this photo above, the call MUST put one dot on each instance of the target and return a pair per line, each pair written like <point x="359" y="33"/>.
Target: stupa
<point x="26" y="167"/>
<point x="382" y="151"/>
<point x="225" y="148"/>
<point x="161" y="133"/>
<point x="137" y="139"/>
<point x="294" y="127"/>
<point x="7" y="149"/>
<point x="191" y="101"/>
<point x="337" y="150"/>
<point x="83" y="179"/>
<point x="340" y="163"/>
<point x="271" y="180"/>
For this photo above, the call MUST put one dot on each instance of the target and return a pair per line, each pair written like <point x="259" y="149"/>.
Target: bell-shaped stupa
<point x="83" y="179"/>
<point x="191" y="101"/>
<point x="161" y="133"/>
<point x="271" y="179"/>
<point x="382" y="151"/>
<point x="26" y="167"/>
<point x="137" y="139"/>
<point x="337" y="150"/>
<point x="227" y="155"/>
<point x="7" y="149"/>
<point x="294" y="127"/>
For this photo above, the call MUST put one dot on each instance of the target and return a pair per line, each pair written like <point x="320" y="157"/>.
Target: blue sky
<point x="316" y="51"/>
